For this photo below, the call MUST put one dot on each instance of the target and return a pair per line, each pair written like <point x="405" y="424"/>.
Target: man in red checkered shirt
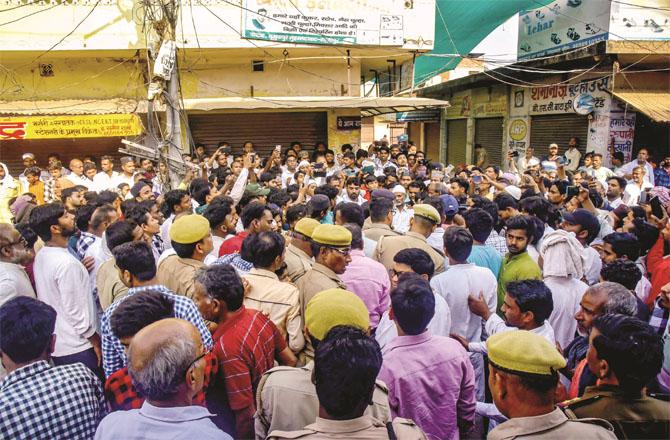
<point x="131" y="316"/>
<point x="246" y="343"/>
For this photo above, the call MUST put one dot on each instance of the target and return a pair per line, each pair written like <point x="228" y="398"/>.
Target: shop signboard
<point x="562" y="26"/>
<point x="419" y="116"/>
<point x="640" y="20"/>
<point x="70" y="127"/>
<point x="336" y="22"/>
<point x="568" y="98"/>
<point x="348" y="122"/>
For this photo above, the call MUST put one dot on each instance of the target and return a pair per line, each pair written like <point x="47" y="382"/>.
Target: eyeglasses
<point x="342" y="251"/>
<point x="21" y="241"/>
<point x="394" y="273"/>
<point x="195" y="361"/>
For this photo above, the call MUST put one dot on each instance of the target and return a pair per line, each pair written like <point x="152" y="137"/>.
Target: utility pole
<point x="161" y="21"/>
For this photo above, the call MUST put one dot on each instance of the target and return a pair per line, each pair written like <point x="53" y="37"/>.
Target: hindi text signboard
<point x="61" y="127"/>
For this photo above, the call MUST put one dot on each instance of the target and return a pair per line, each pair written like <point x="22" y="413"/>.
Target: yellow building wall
<point x="338" y="137"/>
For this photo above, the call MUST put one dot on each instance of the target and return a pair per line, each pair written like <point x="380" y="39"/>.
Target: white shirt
<point x="592" y="265"/>
<point x="440" y="325"/>
<point x="165" y="232"/>
<point x="573" y="156"/>
<point x="522" y="163"/>
<point x="79" y="180"/>
<point x="631" y="195"/>
<point x="495" y="324"/>
<point x="401" y="219"/>
<point x="122" y="178"/>
<point x="566" y="293"/>
<point x="630" y="166"/>
<point x="436" y="239"/>
<point x="14" y="282"/>
<point x="344" y="198"/>
<point x="63" y="283"/>
<point x="458" y="282"/>
<point x="643" y="288"/>
<point x="104" y="181"/>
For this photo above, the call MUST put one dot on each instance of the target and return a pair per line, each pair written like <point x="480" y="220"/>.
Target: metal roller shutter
<point x="367" y="131"/>
<point x="558" y="129"/>
<point x="489" y="133"/>
<point x="265" y="130"/>
<point x="456" y="139"/>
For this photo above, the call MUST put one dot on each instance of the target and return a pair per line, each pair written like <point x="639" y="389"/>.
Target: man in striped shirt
<point x="246" y="344"/>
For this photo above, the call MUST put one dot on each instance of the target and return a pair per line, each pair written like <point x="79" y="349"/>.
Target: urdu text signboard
<point x="339" y="22"/>
<point x="77" y="126"/>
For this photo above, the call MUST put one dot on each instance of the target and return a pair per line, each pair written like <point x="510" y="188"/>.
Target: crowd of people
<point x="307" y="293"/>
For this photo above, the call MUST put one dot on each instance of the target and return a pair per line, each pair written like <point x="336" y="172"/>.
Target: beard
<point x="67" y="233"/>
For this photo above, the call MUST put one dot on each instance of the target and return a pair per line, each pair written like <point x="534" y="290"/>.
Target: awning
<point x="653" y="103"/>
<point x="68" y="107"/>
<point x="368" y="106"/>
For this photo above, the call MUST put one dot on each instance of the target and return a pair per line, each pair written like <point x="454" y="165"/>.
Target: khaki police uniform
<point x="280" y="301"/>
<point x="286" y="384"/>
<point x="554" y="425"/>
<point x="388" y="247"/>
<point x="374" y="231"/>
<point x="297" y="262"/>
<point x="635" y="417"/>
<point x="109" y="285"/>
<point x="178" y="274"/>
<point x="361" y="428"/>
<point x="314" y="281"/>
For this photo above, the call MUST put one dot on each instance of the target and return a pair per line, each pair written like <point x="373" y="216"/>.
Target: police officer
<point x="523" y="375"/>
<point x="331" y="245"/>
<point x="346" y="366"/>
<point x="425" y="220"/>
<point x="381" y="216"/>
<point x="326" y="310"/>
<point x="625" y="354"/>
<point x="299" y="252"/>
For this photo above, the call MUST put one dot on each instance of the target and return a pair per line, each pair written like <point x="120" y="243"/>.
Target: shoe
<point x="574" y="36"/>
<point x="591" y="29"/>
<point x="574" y="3"/>
<point x="525" y="47"/>
<point x="555" y="39"/>
<point x="539" y="15"/>
<point x="629" y="22"/>
<point x="652" y="24"/>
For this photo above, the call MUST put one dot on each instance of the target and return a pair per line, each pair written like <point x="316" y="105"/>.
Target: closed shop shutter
<point x="67" y="149"/>
<point x="557" y="129"/>
<point x="265" y="130"/>
<point x="489" y="133"/>
<point x="367" y="130"/>
<point x="432" y="131"/>
<point x="456" y="139"/>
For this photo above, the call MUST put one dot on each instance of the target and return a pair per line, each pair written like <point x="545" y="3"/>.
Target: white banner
<point x="640" y="20"/>
<point x="561" y="26"/>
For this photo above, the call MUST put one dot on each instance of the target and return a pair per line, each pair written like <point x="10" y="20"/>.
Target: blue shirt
<point x="486" y="256"/>
<point x="154" y="423"/>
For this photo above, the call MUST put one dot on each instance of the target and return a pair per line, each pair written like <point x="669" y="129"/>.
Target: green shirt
<point x="516" y="268"/>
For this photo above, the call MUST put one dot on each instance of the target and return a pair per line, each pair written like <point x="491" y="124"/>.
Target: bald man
<point x="14" y="254"/>
<point x="77" y="176"/>
<point x="167" y="366"/>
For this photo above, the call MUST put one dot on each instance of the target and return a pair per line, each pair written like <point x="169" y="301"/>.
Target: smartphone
<point x="572" y="191"/>
<point x="477" y="179"/>
<point x="278" y="148"/>
<point x="644" y="197"/>
<point x="318" y="166"/>
<point x="656" y="207"/>
<point x="514" y="153"/>
<point x="560" y="160"/>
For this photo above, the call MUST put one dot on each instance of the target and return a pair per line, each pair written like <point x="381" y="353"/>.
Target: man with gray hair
<point x="167" y="367"/>
<point x="600" y="299"/>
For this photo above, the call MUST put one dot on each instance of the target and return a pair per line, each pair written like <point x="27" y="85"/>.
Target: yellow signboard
<point x="66" y="127"/>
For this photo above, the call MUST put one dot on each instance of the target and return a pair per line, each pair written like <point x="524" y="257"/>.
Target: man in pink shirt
<point x="430" y="378"/>
<point x="367" y="278"/>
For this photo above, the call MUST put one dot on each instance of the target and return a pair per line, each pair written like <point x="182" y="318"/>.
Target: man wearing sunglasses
<point x="14" y="254"/>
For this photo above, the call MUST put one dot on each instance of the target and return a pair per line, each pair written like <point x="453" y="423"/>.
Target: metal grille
<point x="489" y="133"/>
<point x="456" y="139"/>
<point x="558" y="129"/>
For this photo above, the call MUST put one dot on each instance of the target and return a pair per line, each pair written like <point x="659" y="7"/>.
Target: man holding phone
<point x="633" y="193"/>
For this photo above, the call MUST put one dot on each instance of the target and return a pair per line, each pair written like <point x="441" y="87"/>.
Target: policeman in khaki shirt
<point x="191" y="239"/>
<point x="299" y="252"/>
<point x="279" y="300"/>
<point x="326" y="310"/>
<point x="523" y="376"/>
<point x="425" y="220"/>
<point x="346" y="366"/>
<point x="381" y="216"/>
<point x="331" y="245"/>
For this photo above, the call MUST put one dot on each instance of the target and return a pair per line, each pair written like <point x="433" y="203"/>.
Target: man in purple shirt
<point x="367" y="278"/>
<point x="430" y="378"/>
